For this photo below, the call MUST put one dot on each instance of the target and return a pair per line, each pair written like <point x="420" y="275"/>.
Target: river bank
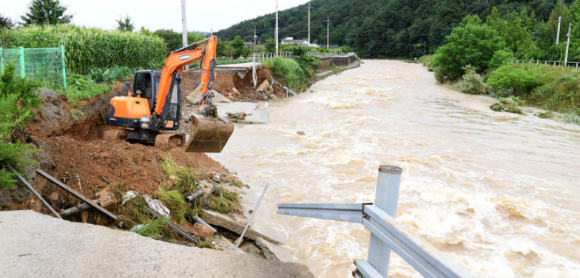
<point x="72" y="144"/>
<point x="493" y="191"/>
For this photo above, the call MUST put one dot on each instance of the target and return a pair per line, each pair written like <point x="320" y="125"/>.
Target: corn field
<point x="87" y="48"/>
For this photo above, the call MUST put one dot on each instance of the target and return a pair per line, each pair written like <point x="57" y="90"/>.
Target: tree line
<point x="402" y="28"/>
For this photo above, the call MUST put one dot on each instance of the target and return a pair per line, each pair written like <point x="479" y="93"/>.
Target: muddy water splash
<point x="497" y="193"/>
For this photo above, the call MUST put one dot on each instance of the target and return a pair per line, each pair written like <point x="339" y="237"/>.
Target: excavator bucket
<point x="208" y="134"/>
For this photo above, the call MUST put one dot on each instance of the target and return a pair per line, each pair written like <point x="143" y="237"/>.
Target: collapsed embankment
<point x="70" y="143"/>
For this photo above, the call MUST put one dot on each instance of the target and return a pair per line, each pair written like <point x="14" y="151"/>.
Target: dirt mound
<point x="229" y="83"/>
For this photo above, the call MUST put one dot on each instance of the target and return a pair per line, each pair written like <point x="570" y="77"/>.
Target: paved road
<point x="37" y="245"/>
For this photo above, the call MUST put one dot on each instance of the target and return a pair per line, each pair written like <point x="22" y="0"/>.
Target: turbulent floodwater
<point x="497" y="193"/>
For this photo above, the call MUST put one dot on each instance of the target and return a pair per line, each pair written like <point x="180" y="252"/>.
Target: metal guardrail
<point x="264" y="56"/>
<point x="329" y="54"/>
<point x="386" y="233"/>
<point x="546" y="62"/>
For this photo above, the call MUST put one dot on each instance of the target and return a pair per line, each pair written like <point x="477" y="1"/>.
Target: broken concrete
<point x="218" y="98"/>
<point x="274" y="252"/>
<point x="68" y="249"/>
<point x="253" y="115"/>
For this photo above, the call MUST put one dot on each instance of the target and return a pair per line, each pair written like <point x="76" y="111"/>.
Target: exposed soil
<point x="70" y="147"/>
<point x="229" y="84"/>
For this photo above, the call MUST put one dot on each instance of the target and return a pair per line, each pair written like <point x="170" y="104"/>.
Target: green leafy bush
<point x="17" y="99"/>
<point x="472" y="82"/>
<point x="522" y="81"/>
<point x="290" y="71"/>
<point x="500" y="58"/>
<point x="472" y="43"/>
<point x="110" y="75"/>
<point x="81" y="87"/>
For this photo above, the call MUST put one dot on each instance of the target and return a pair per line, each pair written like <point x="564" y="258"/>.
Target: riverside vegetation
<point x="478" y="58"/>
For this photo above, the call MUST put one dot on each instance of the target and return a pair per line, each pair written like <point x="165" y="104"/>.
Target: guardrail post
<point x="386" y="198"/>
<point x="22" y="66"/>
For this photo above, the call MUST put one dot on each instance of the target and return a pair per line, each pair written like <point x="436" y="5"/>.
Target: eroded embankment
<point x="70" y="143"/>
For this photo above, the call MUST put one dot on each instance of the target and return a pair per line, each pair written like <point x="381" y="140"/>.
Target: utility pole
<point x="558" y="35"/>
<point x="276" y="28"/>
<point x="328" y="32"/>
<point x="184" y="23"/>
<point x="568" y="45"/>
<point x="309" y="21"/>
<point x="255" y="37"/>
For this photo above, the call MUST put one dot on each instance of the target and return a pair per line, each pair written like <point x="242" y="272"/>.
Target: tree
<point x="270" y="45"/>
<point x="6" y="22"/>
<point x="45" y="12"/>
<point x="472" y="43"/>
<point x="125" y="24"/>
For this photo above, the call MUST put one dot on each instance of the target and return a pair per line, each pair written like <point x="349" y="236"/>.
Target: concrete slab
<point x="218" y="98"/>
<point x="37" y="245"/>
<point x="253" y="115"/>
<point x="274" y="252"/>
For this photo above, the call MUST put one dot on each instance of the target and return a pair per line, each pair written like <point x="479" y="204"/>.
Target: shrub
<point x="500" y="58"/>
<point x="16" y="100"/>
<point x="472" y="82"/>
<point x="290" y="71"/>
<point x="469" y="44"/>
<point x="110" y="75"/>
<point x="522" y="81"/>
<point x="81" y="87"/>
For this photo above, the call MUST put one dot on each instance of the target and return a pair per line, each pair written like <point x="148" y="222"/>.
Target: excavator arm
<point x="177" y="59"/>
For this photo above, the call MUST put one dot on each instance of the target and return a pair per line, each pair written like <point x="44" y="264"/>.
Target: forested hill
<point x="381" y="28"/>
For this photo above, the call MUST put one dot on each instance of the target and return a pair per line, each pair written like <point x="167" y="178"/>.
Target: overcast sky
<point x="158" y="14"/>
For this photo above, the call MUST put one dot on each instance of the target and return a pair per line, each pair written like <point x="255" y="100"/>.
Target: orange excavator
<point x="152" y="113"/>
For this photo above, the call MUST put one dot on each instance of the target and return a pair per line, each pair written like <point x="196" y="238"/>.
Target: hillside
<point x="381" y="28"/>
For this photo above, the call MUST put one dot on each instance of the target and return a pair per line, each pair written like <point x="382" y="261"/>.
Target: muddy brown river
<point x="496" y="193"/>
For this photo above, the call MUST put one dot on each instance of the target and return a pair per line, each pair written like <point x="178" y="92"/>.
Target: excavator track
<point x="115" y="134"/>
<point x="169" y="140"/>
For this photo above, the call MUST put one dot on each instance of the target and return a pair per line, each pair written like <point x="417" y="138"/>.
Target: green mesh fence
<point x="43" y="64"/>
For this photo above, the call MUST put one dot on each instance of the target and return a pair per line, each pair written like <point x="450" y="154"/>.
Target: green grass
<point x="542" y="86"/>
<point x="154" y="229"/>
<point x="174" y="201"/>
<point x="76" y="114"/>
<point x="290" y="71"/>
<point x="223" y="201"/>
<point x="81" y="87"/>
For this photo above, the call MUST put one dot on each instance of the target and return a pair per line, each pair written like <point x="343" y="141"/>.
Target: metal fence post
<point x="386" y="198"/>
<point x="22" y="66"/>
<point x="63" y="66"/>
<point x="1" y="60"/>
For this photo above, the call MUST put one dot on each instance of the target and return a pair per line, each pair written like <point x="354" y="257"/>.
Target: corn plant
<point x="87" y="48"/>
